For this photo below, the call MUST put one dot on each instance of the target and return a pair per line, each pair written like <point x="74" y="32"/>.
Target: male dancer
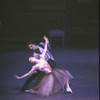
<point x="37" y="50"/>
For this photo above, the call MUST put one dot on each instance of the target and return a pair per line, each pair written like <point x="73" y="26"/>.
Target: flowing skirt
<point x="51" y="83"/>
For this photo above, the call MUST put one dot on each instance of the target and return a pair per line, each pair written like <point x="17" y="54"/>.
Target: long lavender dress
<point x="51" y="82"/>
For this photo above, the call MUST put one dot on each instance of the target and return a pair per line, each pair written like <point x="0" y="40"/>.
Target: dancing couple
<point x="51" y="79"/>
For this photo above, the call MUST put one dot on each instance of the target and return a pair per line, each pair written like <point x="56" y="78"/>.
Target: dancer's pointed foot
<point x="30" y="91"/>
<point x="27" y="91"/>
<point x="69" y="90"/>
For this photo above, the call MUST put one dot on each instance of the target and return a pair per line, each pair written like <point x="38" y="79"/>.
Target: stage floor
<point x="82" y="63"/>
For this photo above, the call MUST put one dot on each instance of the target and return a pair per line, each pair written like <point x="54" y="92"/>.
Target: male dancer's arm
<point x="42" y="44"/>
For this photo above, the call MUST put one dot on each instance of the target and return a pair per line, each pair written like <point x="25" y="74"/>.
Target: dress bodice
<point x="44" y="66"/>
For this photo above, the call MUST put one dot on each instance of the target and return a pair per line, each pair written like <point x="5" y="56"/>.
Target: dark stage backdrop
<point x="31" y="19"/>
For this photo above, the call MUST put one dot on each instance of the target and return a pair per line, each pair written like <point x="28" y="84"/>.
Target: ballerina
<point x="37" y="50"/>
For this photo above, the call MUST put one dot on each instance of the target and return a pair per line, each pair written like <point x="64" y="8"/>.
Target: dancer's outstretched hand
<point x="46" y="39"/>
<point x="16" y="76"/>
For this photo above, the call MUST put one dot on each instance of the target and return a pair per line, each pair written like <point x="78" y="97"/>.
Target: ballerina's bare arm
<point x="36" y="66"/>
<point x="32" y="71"/>
<point x="45" y="48"/>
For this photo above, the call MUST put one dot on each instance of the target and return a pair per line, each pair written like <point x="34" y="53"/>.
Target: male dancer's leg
<point x="51" y="63"/>
<point x="29" y="80"/>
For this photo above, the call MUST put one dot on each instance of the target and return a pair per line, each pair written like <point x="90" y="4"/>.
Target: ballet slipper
<point x="69" y="90"/>
<point x="27" y="91"/>
<point x="30" y="91"/>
